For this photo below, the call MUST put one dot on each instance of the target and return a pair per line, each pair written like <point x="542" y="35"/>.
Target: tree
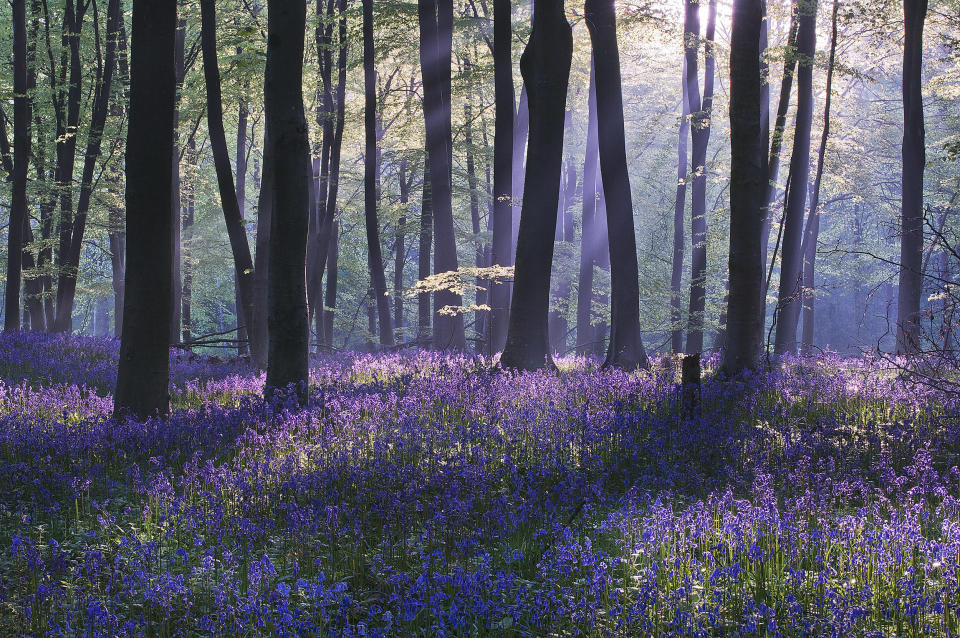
<point x="436" y="41"/>
<point x="676" y="271"/>
<point x="748" y="171"/>
<point x="789" y="296"/>
<point x="502" y="169"/>
<point x="545" y="66"/>
<point x="626" y="349"/>
<point x="586" y="335"/>
<point x="289" y="195"/>
<point x="232" y="215"/>
<point x="700" y="113"/>
<point x="812" y="231"/>
<point x="371" y="187"/>
<point x="21" y="158"/>
<point x="914" y="158"/>
<point x="142" y="377"/>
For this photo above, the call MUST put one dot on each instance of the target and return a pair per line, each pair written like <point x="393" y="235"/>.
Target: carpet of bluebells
<point x="430" y="494"/>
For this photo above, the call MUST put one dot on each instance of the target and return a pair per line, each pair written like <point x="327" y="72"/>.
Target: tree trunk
<point x="502" y="170"/>
<point x="679" y="207"/>
<point x="789" y="296"/>
<point x="625" y="349"/>
<point x="289" y="334"/>
<point x="748" y="172"/>
<point x="371" y="187"/>
<point x="232" y="215"/>
<point x="142" y="377"/>
<point x="259" y="335"/>
<point x="545" y="66"/>
<point x="701" y="113"/>
<point x="436" y="41"/>
<point x="21" y="159"/>
<point x="186" y="299"/>
<point x="176" y="210"/>
<point x="588" y="234"/>
<point x="400" y="251"/>
<point x="473" y="185"/>
<point x="423" y="260"/>
<point x="812" y="232"/>
<point x="243" y="347"/>
<point x="914" y="159"/>
<point x="331" y="296"/>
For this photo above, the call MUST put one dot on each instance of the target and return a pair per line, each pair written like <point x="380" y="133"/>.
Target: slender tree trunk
<point x="436" y="41"/>
<point x="558" y="326"/>
<point x="232" y="215"/>
<point x="914" y="159"/>
<point x="503" y="169"/>
<point x="474" y="186"/>
<point x="176" y="210"/>
<point x="626" y="349"/>
<point x="330" y="303"/>
<point x="400" y="251"/>
<point x="676" y="271"/>
<point x="371" y="186"/>
<point x="789" y="296"/>
<point x="701" y="113"/>
<point x="142" y="377"/>
<point x="545" y="66"/>
<point x="289" y="334"/>
<point x="243" y="347"/>
<point x="588" y="234"/>
<point x="521" y="133"/>
<point x="748" y="171"/>
<point x="186" y="299"/>
<point x="423" y="262"/>
<point x="812" y="231"/>
<point x="21" y="159"/>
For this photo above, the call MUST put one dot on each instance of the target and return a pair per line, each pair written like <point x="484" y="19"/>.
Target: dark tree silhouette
<point x="502" y="169"/>
<point x="545" y="66"/>
<point x="371" y="185"/>
<point x="289" y="149"/>
<point x="142" y="377"/>
<point x="625" y="349"/>
<point x="791" y="285"/>
<point x="436" y="42"/>
<point x="748" y="171"/>
<point x="914" y="159"/>
<point x="21" y="159"/>
<point x="588" y="235"/>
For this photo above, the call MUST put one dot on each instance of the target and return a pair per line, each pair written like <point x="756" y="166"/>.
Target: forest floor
<point x="427" y="494"/>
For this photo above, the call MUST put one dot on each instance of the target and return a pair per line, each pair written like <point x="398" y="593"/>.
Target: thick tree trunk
<point x="679" y="208"/>
<point x="790" y="293"/>
<point x="142" y="377"/>
<point x="588" y="234"/>
<point x="625" y="349"/>
<point x="545" y="66"/>
<point x="371" y="186"/>
<point x="503" y="168"/>
<point x="21" y="159"/>
<point x="701" y="113"/>
<point x="914" y="160"/>
<point x="436" y="41"/>
<point x="812" y="232"/>
<point x="289" y="333"/>
<point x="748" y="171"/>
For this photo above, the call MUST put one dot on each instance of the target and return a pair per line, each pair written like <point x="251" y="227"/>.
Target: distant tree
<point x="701" y="110"/>
<point x="426" y="242"/>
<point x="625" y="349"/>
<point x="142" y="377"/>
<point x="502" y="169"/>
<point x="21" y="159"/>
<point x="914" y="159"/>
<point x="436" y="42"/>
<point x="371" y="187"/>
<point x="289" y="194"/>
<point x="232" y="215"/>
<point x="679" y="208"/>
<point x="748" y="171"/>
<point x="586" y="334"/>
<point x="545" y="66"/>
<point x="791" y="284"/>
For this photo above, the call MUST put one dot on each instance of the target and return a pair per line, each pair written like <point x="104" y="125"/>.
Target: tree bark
<point x="502" y="169"/>
<point x="812" y="232"/>
<point x="588" y="234"/>
<point x="679" y="208"/>
<point x="545" y="66"/>
<point x="142" y="377"/>
<point x="914" y="159"/>
<point x="289" y="334"/>
<point x="186" y="299"/>
<point x="176" y="210"/>
<point x="371" y="187"/>
<point x="625" y="349"/>
<point x="748" y="172"/>
<point x="423" y="259"/>
<point x="436" y="41"/>
<point x="701" y="113"/>
<point x="789" y="296"/>
<point x="21" y="159"/>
